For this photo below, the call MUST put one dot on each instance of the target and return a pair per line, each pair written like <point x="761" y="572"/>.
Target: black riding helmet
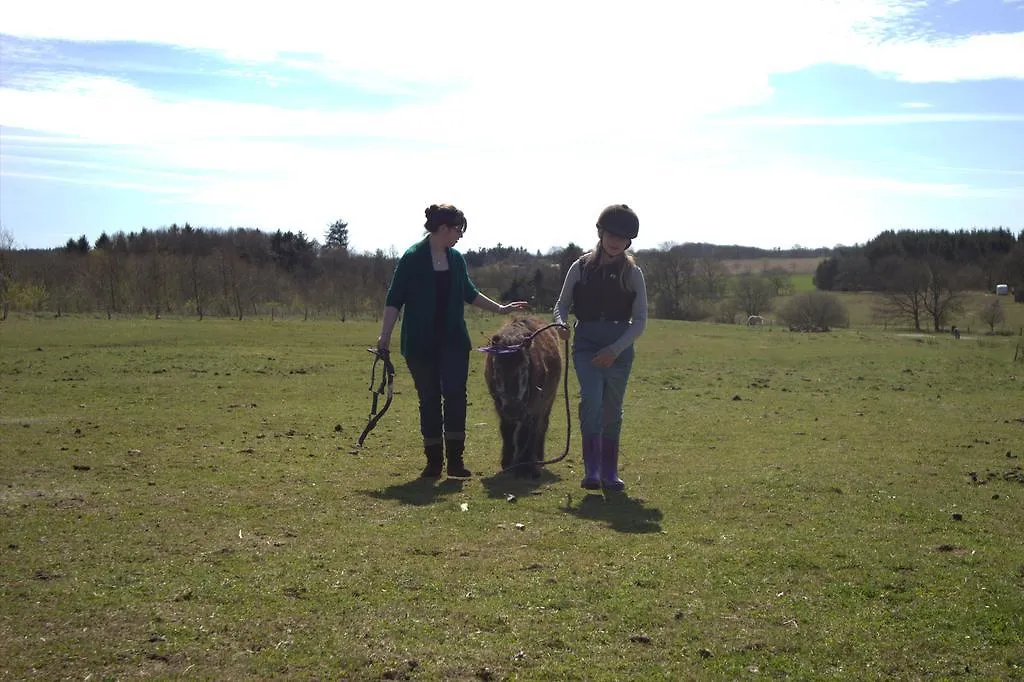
<point x="619" y="219"/>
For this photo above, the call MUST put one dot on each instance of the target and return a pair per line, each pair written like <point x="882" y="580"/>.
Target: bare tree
<point x="906" y="286"/>
<point x="712" y="278"/>
<point x="108" y="272"/>
<point x="63" y="276"/>
<point x="780" y="280"/>
<point x="335" y="275"/>
<point x="151" y="273"/>
<point x="993" y="314"/>
<point x="943" y="296"/>
<point x="670" y="278"/>
<point x="882" y="311"/>
<point x="229" y="267"/>
<point x="6" y="269"/>
<point x="197" y="249"/>
<point x="753" y="294"/>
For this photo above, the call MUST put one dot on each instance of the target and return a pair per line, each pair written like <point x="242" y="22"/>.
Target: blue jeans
<point x="602" y="389"/>
<point x="443" y="376"/>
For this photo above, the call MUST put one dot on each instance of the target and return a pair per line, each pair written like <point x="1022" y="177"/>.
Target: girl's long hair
<point x="592" y="260"/>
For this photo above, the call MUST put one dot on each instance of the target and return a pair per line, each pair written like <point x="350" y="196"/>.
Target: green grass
<point x="802" y="283"/>
<point x="183" y="498"/>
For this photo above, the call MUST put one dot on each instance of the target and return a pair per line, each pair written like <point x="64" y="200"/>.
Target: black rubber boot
<point x="435" y="461"/>
<point x="456" y="467"/>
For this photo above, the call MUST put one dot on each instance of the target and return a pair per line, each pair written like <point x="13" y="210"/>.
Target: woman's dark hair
<point x="443" y="214"/>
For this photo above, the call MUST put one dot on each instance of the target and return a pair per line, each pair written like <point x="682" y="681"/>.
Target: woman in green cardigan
<point x="432" y="283"/>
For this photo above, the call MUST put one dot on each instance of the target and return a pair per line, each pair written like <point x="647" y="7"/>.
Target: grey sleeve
<point x="561" y="313"/>
<point x="639" y="322"/>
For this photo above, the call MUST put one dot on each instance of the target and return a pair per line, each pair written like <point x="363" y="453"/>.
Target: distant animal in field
<point x="956" y="332"/>
<point x="522" y="371"/>
<point x="755" y="321"/>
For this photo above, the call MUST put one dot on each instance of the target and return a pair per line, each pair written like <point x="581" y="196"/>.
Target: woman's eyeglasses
<point x="461" y="229"/>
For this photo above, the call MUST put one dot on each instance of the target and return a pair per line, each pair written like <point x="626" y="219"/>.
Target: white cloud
<point x="556" y="72"/>
<point x="876" y="120"/>
<point x="920" y="60"/>
<point x="535" y="45"/>
<point x="539" y="112"/>
<point x="93" y="182"/>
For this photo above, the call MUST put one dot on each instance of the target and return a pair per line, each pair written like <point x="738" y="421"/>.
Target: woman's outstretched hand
<point x="515" y="305"/>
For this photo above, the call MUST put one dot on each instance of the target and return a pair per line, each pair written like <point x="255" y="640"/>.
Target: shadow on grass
<point x="419" y="491"/>
<point x="621" y="512"/>
<point x="504" y="483"/>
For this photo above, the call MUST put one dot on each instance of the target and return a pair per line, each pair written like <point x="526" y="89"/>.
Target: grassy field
<point x="802" y="282"/>
<point x="184" y="499"/>
<point x="795" y="266"/>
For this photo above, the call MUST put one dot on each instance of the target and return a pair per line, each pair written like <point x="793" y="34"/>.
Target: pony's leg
<point x="524" y="441"/>
<point x="508" y="429"/>
<point x="540" y="435"/>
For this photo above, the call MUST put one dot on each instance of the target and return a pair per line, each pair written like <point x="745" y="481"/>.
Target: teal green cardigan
<point x="413" y="287"/>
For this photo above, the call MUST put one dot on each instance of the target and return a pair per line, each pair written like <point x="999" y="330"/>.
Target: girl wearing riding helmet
<point x="606" y="291"/>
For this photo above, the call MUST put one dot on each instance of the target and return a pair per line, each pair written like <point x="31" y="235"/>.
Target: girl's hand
<point x="604" y="359"/>
<point x="563" y="333"/>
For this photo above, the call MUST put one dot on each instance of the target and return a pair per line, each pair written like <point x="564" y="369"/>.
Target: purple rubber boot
<point x="591" y="463"/>
<point x="610" y="466"/>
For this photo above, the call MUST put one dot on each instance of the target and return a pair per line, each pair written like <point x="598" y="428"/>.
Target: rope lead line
<point x="386" y="388"/>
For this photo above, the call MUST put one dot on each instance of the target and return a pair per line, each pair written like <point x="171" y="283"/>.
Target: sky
<point x="769" y="124"/>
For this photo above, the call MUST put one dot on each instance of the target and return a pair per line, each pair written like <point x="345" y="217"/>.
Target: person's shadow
<point x="419" y="491"/>
<point x="622" y="513"/>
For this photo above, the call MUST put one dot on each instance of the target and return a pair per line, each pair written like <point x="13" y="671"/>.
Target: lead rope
<point x="386" y="388"/>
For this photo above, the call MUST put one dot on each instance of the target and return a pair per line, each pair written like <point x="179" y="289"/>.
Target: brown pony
<point x="522" y="372"/>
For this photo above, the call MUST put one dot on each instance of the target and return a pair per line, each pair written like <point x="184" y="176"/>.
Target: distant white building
<point x="1002" y="290"/>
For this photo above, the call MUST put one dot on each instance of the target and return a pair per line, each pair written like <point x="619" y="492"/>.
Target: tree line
<point x="921" y="276"/>
<point x="195" y="271"/>
<point x="241" y="272"/>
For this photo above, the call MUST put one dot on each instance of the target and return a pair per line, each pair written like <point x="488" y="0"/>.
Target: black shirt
<point x="443" y="286"/>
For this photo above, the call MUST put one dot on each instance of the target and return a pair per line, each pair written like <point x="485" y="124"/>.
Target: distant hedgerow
<point x="814" y="311"/>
